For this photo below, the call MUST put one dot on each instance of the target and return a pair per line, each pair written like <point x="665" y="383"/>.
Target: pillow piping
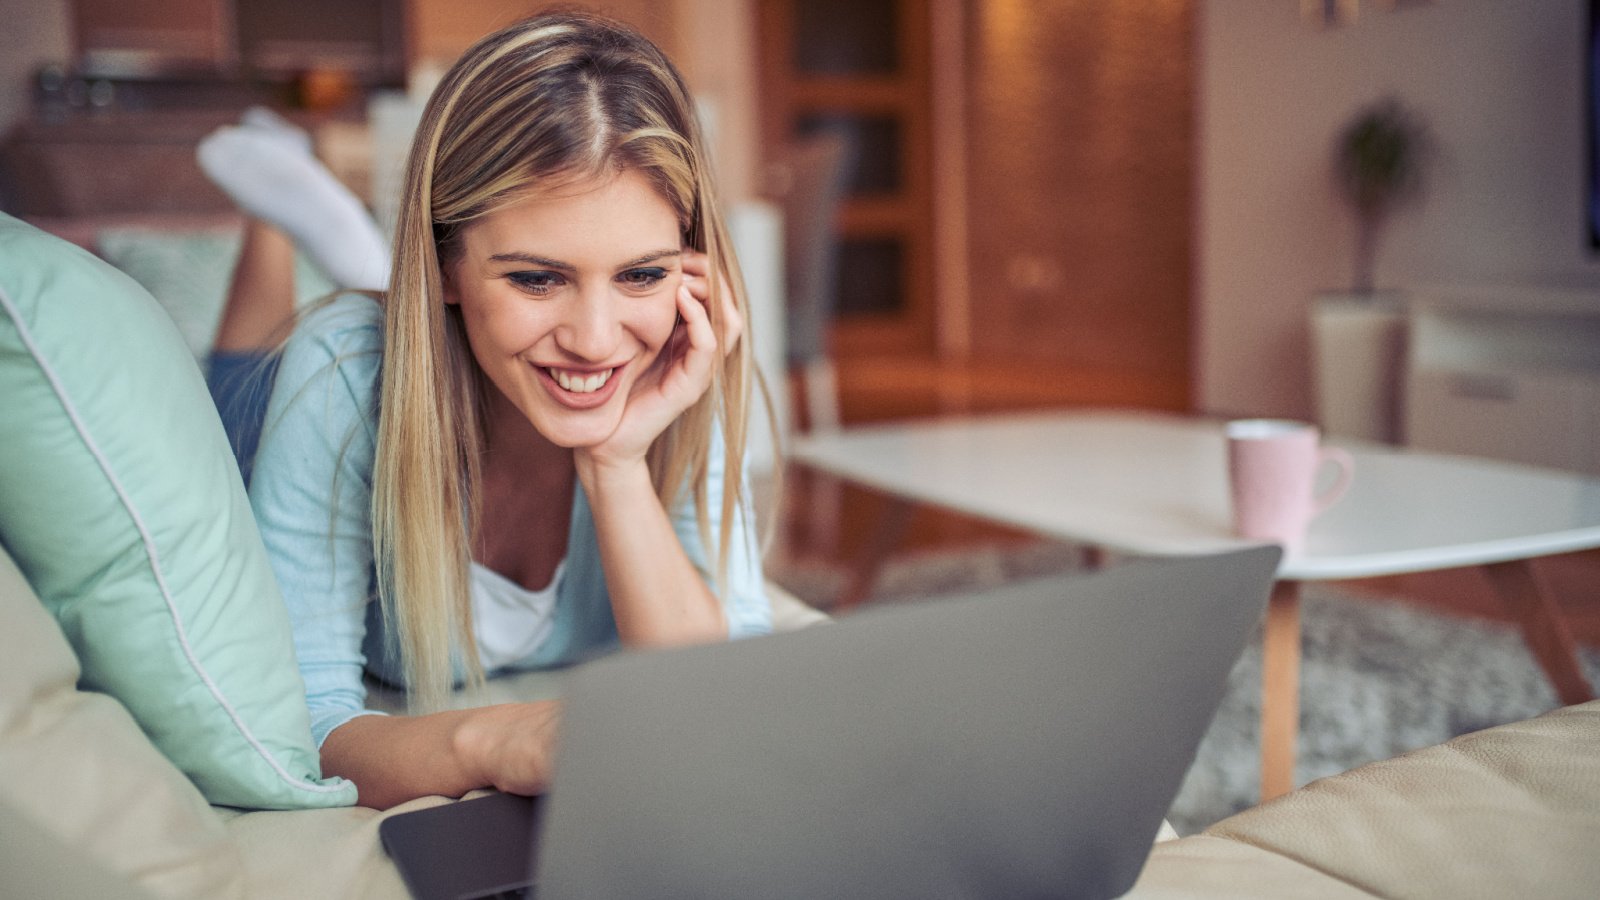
<point x="150" y="552"/>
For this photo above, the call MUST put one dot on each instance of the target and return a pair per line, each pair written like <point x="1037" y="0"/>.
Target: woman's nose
<point x="590" y="329"/>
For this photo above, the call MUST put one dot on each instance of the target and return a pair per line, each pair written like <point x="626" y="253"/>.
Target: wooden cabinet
<point x="118" y="37"/>
<point x="364" y="39"/>
<point x="110" y="163"/>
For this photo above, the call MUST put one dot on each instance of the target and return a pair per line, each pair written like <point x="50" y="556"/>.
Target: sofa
<point x="89" y="807"/>
<point x="100" y="793"/>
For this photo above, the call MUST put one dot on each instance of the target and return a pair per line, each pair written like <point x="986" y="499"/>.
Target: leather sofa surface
<point x="1511" y="811"/>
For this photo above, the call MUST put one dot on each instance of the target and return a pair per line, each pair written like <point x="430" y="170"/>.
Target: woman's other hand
<point x="393" y="759"/>
<point x="511" y="746"/>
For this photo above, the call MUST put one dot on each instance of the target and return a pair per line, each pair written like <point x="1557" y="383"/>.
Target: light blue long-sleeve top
<point x="312" y="491"/>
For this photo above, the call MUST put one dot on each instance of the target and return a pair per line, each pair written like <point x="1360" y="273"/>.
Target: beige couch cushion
<point x="76" y="765"/>
<point x="1209" y="868"/>
<point x="1513" y="811"/>
<point x="36" y="864"/>
<point x="306" y="854"/>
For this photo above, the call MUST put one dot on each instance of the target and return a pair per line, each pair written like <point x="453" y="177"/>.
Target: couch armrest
<point x="1512" y="811"/>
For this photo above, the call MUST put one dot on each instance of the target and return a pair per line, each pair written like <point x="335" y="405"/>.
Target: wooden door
<point x="860" y="68"/>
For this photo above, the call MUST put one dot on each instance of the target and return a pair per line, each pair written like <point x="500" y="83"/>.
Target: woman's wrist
<point x="601" y="476"/>
<point x="472" y="743"/>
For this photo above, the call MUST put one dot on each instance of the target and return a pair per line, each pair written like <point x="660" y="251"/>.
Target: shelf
<point x="1507" y="372"/>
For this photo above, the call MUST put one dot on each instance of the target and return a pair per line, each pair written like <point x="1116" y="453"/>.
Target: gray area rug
<point x="1378" y="678"/>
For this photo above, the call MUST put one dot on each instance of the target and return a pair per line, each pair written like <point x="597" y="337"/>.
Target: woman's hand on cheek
<point x="679" y="376"/>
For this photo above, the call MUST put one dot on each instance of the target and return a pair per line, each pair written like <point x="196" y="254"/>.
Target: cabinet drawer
<point x="1546" y="419"/>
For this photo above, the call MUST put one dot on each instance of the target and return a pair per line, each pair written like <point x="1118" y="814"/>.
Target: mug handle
<point x="1347" y="469"/>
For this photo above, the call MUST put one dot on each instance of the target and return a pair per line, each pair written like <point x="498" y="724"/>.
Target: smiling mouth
<point x="578" y="383"/>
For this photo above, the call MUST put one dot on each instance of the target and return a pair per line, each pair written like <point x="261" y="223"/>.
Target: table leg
<point x="883" y="540"/>
<point x="1543" y="628"/>
<point x="1280" y="689"/>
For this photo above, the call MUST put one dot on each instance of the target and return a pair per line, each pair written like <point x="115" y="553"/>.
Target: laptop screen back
<point x="1024" y="742"/>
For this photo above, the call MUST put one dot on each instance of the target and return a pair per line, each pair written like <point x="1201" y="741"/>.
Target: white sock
<point x="266" y="166"/>
<point x="269" y="121"/>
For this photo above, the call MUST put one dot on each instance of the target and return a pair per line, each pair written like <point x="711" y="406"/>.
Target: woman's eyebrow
<point x="533" y="260"/>
<point x="650" y="258"/>
<point x="548" y="263"/>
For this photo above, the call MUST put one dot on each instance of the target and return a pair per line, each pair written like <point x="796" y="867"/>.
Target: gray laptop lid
<point x="1021" y="743"/>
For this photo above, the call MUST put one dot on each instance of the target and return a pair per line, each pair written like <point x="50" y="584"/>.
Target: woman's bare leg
<point x="256" y="319"/>
<point x="261" y="295"/>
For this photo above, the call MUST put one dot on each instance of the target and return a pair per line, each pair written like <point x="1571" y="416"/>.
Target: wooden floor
<point x="885" y="389"/>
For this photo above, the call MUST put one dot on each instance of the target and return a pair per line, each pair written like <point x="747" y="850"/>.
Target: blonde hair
<point x="556" y="98"/>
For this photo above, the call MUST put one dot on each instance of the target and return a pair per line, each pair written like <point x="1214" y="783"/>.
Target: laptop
<point x="1024" y="741"/>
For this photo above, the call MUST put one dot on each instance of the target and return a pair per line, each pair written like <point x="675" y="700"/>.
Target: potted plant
<point x="1380" y="165"/>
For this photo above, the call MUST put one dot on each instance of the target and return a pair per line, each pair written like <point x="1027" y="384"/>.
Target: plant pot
<point x="1358" y="346"/>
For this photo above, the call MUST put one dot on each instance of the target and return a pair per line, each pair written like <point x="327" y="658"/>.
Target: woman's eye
<point x="643" y="278"/>
<point x="535" y="282"/>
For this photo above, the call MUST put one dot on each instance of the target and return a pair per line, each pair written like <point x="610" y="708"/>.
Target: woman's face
<point x="568" y="298"/>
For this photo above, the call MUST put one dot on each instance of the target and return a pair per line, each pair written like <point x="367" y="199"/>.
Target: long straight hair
<point x="559" y="98"/>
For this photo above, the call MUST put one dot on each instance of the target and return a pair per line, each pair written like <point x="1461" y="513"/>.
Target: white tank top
<point x="508" y="620"/>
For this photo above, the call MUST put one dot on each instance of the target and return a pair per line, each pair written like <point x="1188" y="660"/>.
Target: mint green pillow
<point x="121" y="503"/>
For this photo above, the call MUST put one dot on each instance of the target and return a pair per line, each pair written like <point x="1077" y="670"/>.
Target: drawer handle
<point x="1484" y="387"/>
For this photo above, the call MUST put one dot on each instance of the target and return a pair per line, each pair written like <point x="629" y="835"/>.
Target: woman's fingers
<point x="695" y="268"/>
<point x="692" y="349"/>
<point x="695" y="263"/>
<point x="702" y="340"/>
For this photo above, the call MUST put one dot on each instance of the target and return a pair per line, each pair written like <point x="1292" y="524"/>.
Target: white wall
<point x="1501" y="84"/>
<point x="33" y="32"/>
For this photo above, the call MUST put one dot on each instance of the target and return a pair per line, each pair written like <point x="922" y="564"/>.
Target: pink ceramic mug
<point x="1272" y="472"/>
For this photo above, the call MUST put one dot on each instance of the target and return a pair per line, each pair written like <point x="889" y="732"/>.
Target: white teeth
<point x="578" y="384"/>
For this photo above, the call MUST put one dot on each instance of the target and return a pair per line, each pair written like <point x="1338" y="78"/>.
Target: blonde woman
<point x="529" y="450"/>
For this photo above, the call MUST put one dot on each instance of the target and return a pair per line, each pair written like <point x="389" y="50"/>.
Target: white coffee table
<point x="1156" y="485"/>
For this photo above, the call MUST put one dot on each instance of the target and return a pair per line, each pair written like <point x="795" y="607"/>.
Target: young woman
<point x="530" y="449"/>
